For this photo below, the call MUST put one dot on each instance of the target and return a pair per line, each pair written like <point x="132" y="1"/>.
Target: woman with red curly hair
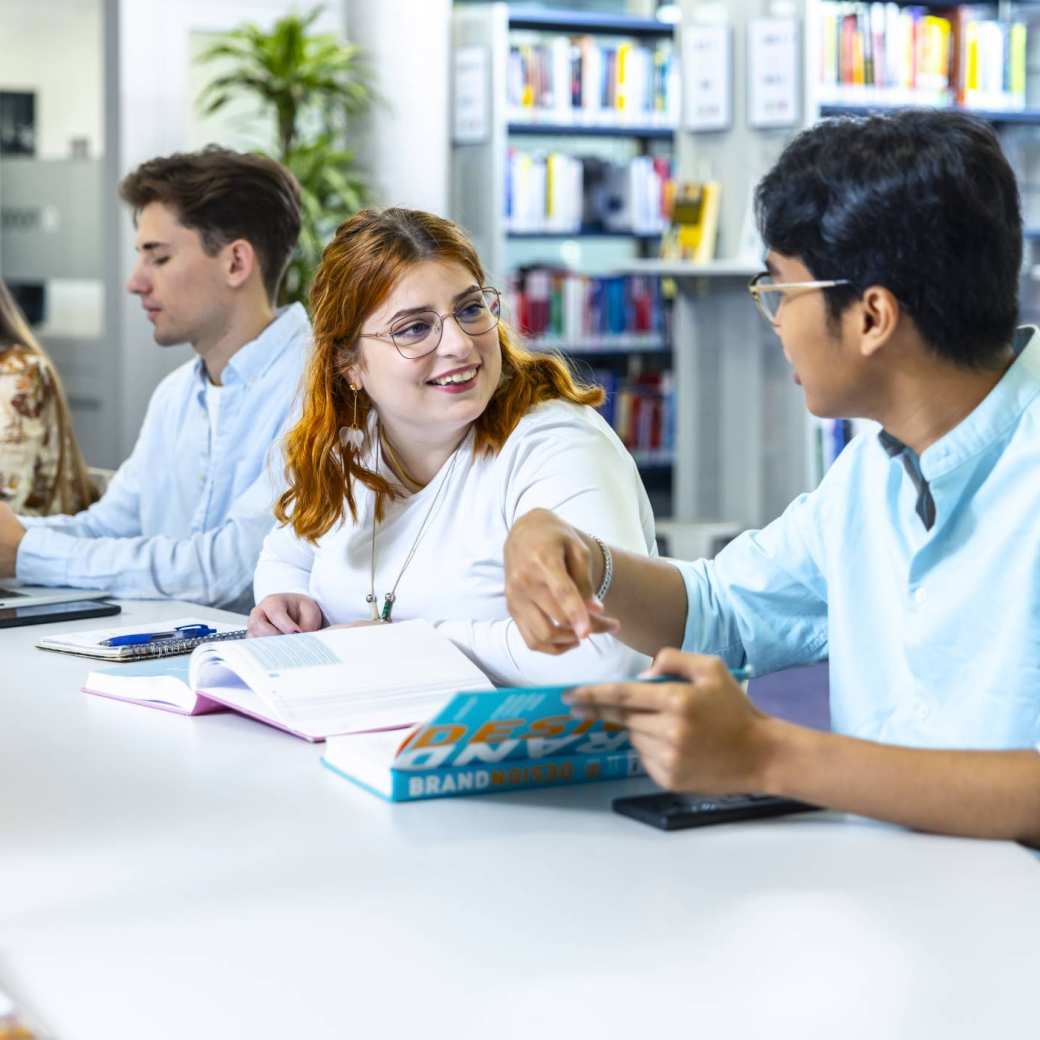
<point x="426" y="431"/>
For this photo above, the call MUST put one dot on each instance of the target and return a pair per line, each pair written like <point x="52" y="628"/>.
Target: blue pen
<point x="181" y="632"/>
<point x="740" y="674"/>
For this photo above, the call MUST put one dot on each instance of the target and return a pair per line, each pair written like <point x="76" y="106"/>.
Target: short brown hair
<point x="224" y="195"/>
<point x="359" y="268"/>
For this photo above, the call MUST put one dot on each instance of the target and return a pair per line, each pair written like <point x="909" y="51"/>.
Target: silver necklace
<point x="391" y="597"/>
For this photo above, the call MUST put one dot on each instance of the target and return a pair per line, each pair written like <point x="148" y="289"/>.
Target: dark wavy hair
<point x="922" y="202"/>
<point x="225" y="195"/>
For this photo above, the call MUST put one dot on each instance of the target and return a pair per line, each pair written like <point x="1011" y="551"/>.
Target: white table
<point x="169" y="877"/>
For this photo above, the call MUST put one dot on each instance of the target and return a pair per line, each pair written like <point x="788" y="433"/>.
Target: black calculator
<point x="673" y="812"/>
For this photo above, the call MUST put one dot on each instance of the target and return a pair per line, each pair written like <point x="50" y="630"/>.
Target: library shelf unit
<point x="479" y="174"/>
<point x="999" y="117"/>
<point x="637" y="236"/>
<point x="745" y="443"/>
<point x="601" y="346"/>
<point x="659" y="133"/>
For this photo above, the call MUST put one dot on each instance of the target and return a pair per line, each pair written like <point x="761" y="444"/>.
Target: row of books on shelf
<point x="589" y="81"/>
<point x="642" y="412"/>
<point x="573" y="308"/>
<point x="555" y="192"/>
<point x="875" y="53"/>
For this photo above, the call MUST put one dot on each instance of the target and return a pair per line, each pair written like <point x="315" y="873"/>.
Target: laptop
<point x="30" y="595"/>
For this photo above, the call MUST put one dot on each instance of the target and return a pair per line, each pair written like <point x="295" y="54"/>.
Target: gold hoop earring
<point x="352" y="437"/>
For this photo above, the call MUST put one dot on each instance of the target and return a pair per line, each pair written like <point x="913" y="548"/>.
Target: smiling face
<point x="432" y="398"/>
<point x="827" y="361"/>
<point x="184" y="291"/>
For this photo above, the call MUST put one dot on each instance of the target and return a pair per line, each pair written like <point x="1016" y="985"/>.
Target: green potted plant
<point x="312" y="83"/>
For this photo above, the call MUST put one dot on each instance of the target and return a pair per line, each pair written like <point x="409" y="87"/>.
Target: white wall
<point x="53" y="47"/>
<point x="152" y="114"/>
<point x="405" y="142"/>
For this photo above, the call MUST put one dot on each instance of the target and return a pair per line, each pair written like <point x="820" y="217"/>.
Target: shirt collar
<point x="991" y="419"/>
<point x="253" y="359"/>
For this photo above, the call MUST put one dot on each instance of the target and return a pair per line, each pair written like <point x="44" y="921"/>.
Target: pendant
<point x="388" y="606"/>
<point x="373" y="612"/>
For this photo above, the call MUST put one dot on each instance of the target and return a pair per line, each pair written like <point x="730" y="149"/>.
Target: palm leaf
<point x="302" y="79"/>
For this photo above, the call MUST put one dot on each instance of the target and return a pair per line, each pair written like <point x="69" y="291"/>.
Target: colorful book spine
<point x="586" y="80"/>
<point x="567" y="307"/>
<point x="556" y="192"/>
<point x="888" y="53"/>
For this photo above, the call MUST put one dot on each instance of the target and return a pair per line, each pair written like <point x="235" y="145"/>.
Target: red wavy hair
<point x="359" y="268"/>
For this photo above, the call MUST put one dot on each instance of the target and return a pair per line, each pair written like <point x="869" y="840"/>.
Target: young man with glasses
<point x="426" y="431"/>
<point x="894" y="248"/>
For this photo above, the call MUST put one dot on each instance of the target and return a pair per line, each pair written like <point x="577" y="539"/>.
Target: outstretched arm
<point x="553" y="571"/>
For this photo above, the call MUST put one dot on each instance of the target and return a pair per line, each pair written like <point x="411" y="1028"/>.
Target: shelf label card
<point x="471" y="124"/>
<point x="772" y="71"/>
<point x="707" y="77"/>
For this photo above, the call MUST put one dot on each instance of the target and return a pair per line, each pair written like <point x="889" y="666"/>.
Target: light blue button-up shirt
<point x="184" y="517"/>
<point x="933" y="634"/>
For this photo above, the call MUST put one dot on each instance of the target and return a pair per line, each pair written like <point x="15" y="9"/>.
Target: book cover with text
<point x="487" y="741"/>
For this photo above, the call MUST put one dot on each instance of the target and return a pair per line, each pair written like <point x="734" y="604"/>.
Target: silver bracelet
<point x="608" y="568"/>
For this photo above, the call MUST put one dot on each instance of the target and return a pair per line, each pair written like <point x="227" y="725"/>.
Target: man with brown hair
<point x="186" y="513"/>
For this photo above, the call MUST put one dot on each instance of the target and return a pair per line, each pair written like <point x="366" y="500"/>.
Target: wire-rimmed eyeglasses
<point x="418" y="334"/>
<point x="769" y="295"/>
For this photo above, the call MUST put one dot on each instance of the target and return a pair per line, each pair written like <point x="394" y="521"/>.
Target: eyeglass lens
<point x="421" y="333"/>
<point x="768" y="302"/>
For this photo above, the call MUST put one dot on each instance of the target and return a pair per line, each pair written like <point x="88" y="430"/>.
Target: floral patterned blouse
<point x="30" y="438"/>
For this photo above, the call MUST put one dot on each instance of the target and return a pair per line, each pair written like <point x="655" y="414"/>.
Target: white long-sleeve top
<point x="562" y="457"/>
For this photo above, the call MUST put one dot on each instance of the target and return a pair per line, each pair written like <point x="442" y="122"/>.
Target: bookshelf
<point x="745" y="444"/>
<point x="544" y="127"/>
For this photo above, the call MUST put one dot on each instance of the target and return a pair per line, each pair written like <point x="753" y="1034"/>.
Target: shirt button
<point x="919" y="595"/>
<point x="921" y="710"/>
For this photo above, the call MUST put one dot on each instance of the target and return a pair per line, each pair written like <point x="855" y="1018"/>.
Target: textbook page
<point x="338" y="680"/>
<point x="161" y="683"/>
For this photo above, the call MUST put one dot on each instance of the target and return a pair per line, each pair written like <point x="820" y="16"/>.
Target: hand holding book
<point x="694" y="727"/>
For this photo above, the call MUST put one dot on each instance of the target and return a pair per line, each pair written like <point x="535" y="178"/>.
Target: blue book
<point x="493" y="740"/>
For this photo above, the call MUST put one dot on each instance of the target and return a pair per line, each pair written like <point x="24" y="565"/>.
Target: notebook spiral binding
<point x="170" y="647"/>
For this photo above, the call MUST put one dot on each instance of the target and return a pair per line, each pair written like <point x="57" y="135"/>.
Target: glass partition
<point x="52" y="145"/>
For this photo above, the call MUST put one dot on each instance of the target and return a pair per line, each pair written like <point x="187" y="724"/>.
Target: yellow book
<point x="1017" y="78"/>
<point x="908" y="65"/>
<point x="695" y="222"/>
<point x="934" y="55"/>
<point x="709" y="223"/>
<point x="527" y="93"/>
<point x="971" y="64"/>
<point x="621" y="91"/>
<point x="859" y="68"/>
<point x="551" y="177"/>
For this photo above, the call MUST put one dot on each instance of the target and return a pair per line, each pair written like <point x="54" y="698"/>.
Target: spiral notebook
<point x="90" y="643"/>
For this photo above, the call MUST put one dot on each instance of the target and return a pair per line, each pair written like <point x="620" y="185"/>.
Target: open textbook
<point x="311" y="684"/>
<point x="490" y="740"/>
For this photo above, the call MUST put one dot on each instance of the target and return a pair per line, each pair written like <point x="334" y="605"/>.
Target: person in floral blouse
<point x="42" y="471"/>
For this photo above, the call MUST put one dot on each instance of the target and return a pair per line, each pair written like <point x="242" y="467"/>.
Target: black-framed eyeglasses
<point x="769" y="295"/>
<point x="416" y="335"/>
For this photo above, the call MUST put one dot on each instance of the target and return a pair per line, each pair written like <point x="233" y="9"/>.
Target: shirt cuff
<point x="38" y="521"/>
<point x="43" y="559"/>
<point x="710" y="627"/>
